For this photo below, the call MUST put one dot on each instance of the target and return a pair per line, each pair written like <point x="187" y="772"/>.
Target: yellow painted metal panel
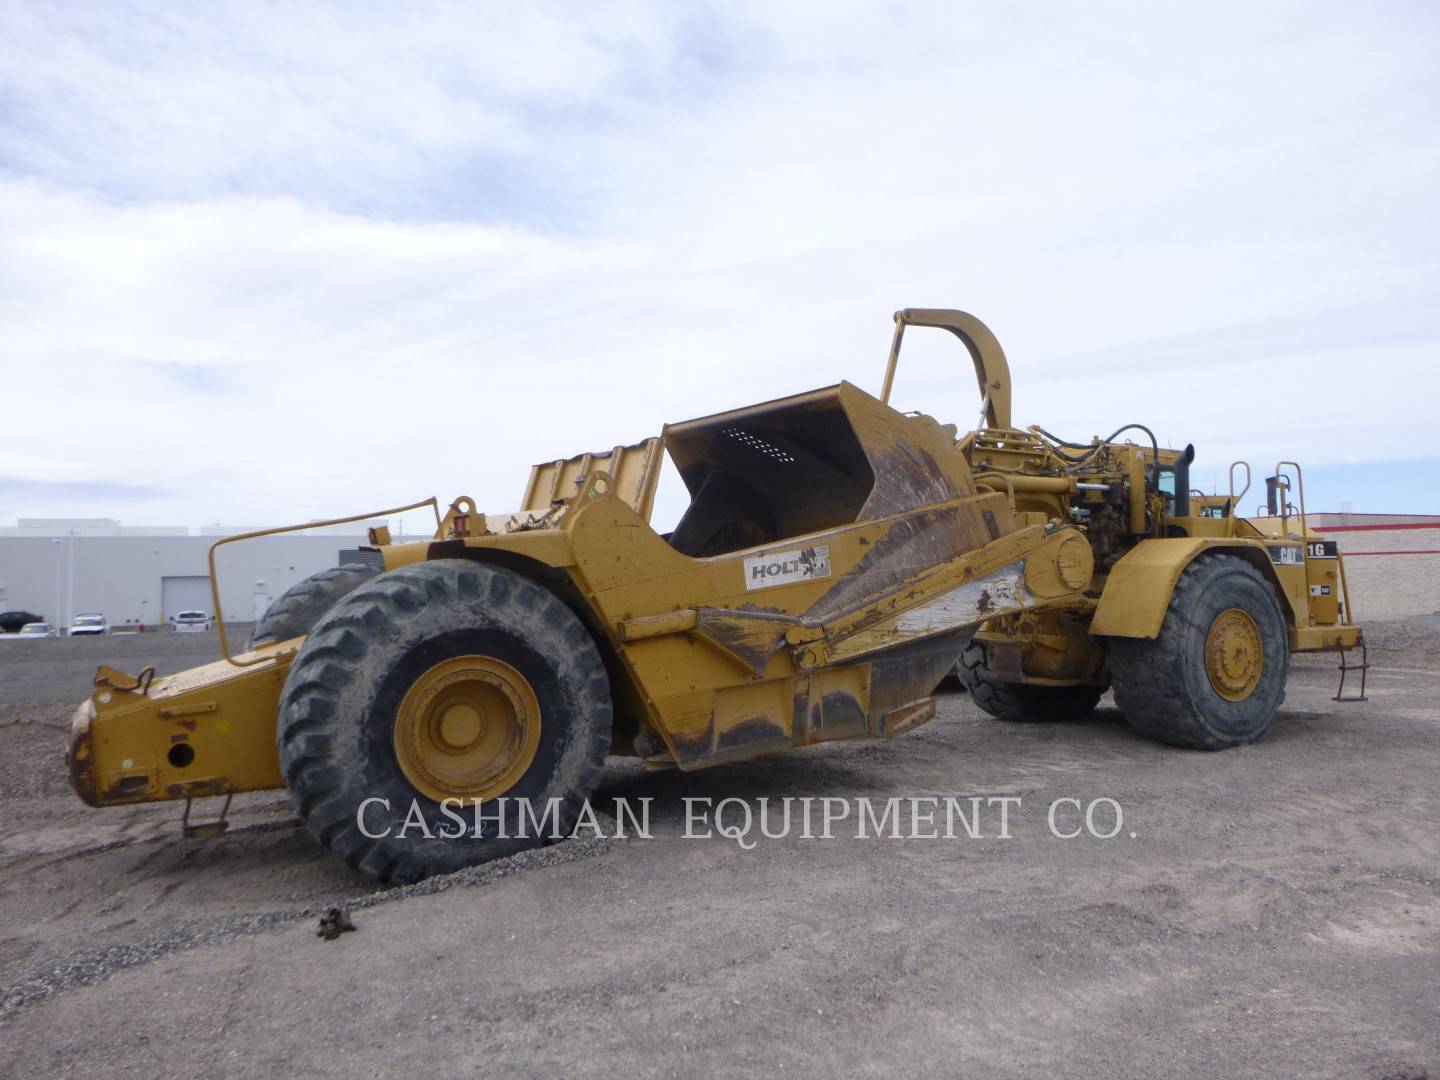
<point x="122" y="742"/>
<point x="1137" y="591"/>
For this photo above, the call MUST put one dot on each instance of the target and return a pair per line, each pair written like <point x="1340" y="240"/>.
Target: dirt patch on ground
<point x="1413" y="641"/>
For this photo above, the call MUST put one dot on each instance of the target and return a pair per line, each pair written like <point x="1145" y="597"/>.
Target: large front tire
<point x="445" y="680"/>
<point x="1215" y="675"/>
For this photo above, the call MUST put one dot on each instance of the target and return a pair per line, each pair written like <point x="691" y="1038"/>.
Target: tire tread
<point x="339" y="651"/>
<point x="1018" y="702"/>
<point x="1148" y="672"/>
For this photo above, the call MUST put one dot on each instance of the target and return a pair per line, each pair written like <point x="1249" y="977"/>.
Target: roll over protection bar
<point x="991" y="369"/>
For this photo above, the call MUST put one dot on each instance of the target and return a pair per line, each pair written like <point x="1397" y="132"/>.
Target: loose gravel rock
<point x="92" y="966"/>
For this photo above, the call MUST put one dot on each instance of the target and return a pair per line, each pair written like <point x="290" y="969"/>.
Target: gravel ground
<point x="51" y="668"/>
<point x="1276" y="912"/>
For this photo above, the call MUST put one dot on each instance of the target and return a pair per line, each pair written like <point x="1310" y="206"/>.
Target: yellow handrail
<point x="431" y="502"/>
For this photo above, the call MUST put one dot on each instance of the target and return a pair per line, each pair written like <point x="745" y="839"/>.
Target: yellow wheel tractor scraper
<point x="837" y="560"/>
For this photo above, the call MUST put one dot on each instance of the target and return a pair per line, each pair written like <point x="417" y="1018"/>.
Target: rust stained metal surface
<point x="119" y="680"/>
<point x="752" y="635"/>
<point x="904" y="478"/>
<point x="649" y="626"/>
<point x="901" y="676"/>
<point x="942" y="608"/>
<point x="634" y="470"/>
<point x="912" y="458"/>
<point x="128" y="787"/>
<point x="912" y="545"/>
<point x="122" y="737"/>
<point x="936" y="563"/>
<point x="80" y="754"/>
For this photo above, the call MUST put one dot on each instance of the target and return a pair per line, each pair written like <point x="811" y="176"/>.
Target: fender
<point x="1137" y="593"/>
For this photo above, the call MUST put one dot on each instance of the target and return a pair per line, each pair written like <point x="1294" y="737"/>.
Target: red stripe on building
<point x="1375" y="528"/>
<point x="1353" y="554"/>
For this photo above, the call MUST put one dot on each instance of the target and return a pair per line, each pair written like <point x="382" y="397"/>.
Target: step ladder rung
<point x="1346" y="668"/>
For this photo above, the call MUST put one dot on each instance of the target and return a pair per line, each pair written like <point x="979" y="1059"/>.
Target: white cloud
<point x="288" y="265"/>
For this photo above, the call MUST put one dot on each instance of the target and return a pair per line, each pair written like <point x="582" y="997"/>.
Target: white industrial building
<point x="143" y="575"/>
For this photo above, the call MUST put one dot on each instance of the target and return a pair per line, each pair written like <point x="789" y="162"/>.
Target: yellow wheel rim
<point x="1234" y="654"/>
<point x="467" y="729"/>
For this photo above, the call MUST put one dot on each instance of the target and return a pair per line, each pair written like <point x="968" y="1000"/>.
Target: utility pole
<point x="70" y="584"/>
<point x="55" y="547"/>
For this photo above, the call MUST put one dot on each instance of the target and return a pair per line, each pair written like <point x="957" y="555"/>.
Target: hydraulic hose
<point x="1093" y="449"/>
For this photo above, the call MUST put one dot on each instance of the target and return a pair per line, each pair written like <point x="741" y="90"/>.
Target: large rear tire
<point x="1022" y="702"/>
<point x="445" y="680"/>
<point x="300" y="607"/>
<point x="1215" y="676"/>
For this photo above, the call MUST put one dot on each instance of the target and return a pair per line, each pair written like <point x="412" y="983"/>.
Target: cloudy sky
<point x="268" y="263"/>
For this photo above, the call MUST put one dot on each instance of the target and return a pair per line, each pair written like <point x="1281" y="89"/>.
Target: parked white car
<point x="89" y="623"/>
<point x="37" y="630"/>
<point x="186" y="622"/>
